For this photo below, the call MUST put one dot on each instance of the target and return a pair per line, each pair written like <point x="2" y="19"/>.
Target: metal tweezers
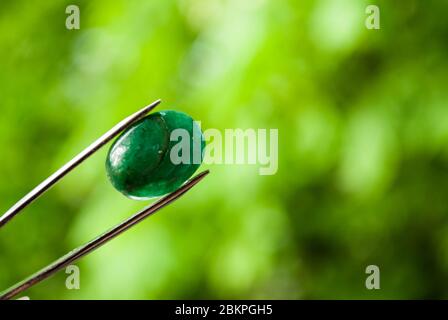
<point x="108" y="235"/>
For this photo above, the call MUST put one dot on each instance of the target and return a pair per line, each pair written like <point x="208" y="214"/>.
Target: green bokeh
<point x="363" y="146"/>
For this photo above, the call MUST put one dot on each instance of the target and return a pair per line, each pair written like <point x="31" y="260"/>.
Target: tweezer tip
<point x="193" y="181"/>
<point x="201" y="175"/>
<point x="151" y="106"/>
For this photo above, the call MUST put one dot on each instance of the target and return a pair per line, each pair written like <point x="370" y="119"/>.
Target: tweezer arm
<point x="69" y="166"/>
<point x="99" y="241"/>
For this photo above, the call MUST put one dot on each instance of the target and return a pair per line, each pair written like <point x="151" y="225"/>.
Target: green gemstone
<point x="153" y="157"/>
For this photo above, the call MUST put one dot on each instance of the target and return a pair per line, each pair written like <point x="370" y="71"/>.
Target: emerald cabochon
<point x="153" y="157"/>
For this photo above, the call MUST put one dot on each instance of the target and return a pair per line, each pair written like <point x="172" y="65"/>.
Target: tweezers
<point x="85" y="249"/>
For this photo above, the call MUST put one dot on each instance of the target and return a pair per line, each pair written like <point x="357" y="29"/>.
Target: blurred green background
<point x="363" y="146"/>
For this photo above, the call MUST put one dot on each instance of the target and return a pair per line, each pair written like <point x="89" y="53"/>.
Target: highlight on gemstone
<point x="156" y="155"/>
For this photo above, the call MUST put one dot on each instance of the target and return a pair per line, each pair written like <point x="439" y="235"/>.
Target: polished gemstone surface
<point x="156" y="155"/>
